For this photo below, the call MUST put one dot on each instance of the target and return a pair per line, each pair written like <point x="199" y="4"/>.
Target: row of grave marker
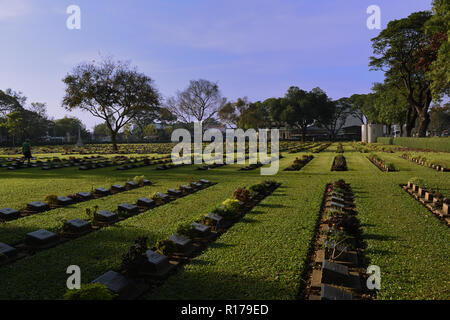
<point x="159" y="267"/>
<point x="335" y="274"/>
<point x="43" y="239"/>
<point x="427" y="198"/>
<point x="8" y="214"/>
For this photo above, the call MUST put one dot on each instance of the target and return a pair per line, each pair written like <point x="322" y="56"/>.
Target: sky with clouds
<point x="253" y="48"/>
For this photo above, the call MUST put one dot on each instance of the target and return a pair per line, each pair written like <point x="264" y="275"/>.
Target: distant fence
<point x="433" y="143"/>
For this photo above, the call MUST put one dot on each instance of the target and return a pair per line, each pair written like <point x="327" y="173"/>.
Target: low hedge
<point x="434" y="143"/>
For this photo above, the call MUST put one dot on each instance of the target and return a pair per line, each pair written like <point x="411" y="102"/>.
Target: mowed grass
<point x="26" y="185"/>
<point x="262" y="256"/>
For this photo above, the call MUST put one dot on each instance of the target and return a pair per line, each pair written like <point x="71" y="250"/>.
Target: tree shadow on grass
<point x="270" y="205"/>
<point x="207" y="285"/>
<point x="369" y="236"/>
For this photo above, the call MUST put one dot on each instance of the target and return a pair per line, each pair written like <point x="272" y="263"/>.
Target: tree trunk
<point x="411" y="116"/>
<point x="424" y="122"/>
<point x="114" y="141"/>
<point x="303" y="133"/>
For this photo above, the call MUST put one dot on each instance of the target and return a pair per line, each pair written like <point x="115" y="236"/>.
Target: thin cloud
<point x="13" y="9"/>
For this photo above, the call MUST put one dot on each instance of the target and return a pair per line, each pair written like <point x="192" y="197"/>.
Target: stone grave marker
<point x="117" y="188"/>
<point x="41" y="238"/>
<point x="186" y="188"/>
<point x="162" y="196"/>
<point x="202" y="229"/>
<point x="64" y="200"/>
<point x="331" y="293"/>
<point x="337" y="204"/>
<point x="37" y="206"/>
<point x="128" y="208"/>
<point x="156" y="262"/>
<point x="77" y="226"/>
<point x="131" y="185"/>
<point x="183" y="244"/>
<point x="102" y="191"/>
<point x="215" y="219"/>
<point x="107" y="216"/>
<point x="146" y="203"/>
<point x="174" y="192"/>
<point x="85" y="195"/>
<point x="7" y="250"/>
<point x="9" y="214"/>
<point x="334" y="273"/>
<point x="116" y="282"/>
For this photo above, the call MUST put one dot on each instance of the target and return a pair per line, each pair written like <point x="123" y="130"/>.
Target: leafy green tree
<point x="70" y="125"/>
<point x="111" y="91"/>
<point x="395" y="52"/>
<point x="440" y="118"/>
<point x="13" y="124"/>
<point x="254" y="116"/>
<point x="436" y="57"/>
<point x="391" y="106"/>
<point x="332" y="115"/>
<point x="101" y="130"/>
<point x="150" y="131"/>
<point x="231" y="111"/>
<point x="302" y="107"/>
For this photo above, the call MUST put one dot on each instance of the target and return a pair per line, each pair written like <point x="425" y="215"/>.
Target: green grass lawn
<point x="260" y="257"/>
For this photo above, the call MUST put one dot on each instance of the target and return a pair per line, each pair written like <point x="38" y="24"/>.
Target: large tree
<point x="70" y="125"/>
<point x="300" y="108"/>
<point x="332" y="115"/>
<point x="391" y="107"/>
<point x="230" y="112"/>
<point x="435" y="59"/>
<point x="254" y="116"/>
<point x="396" y="51"/>
<point x="199" y="102"/>
<point x="111" y="91"/>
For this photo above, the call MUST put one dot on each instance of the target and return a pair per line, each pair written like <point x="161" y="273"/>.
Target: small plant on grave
<point x="418" y="182"/>
<point x="258" y="188"/>
<point x="340" y="184"/>
<point x="349" y="224"/>
<point x="242" y="194"/>
<point x="135" y="257"/>
<point x="340" y="237"/>
<point x="166" y="247"/>
<point x="231" y="204"/>
<point x="157" y="198"/>
<point x="139" y="180"/>
<point x="90" y="291"/>
<point x="270" y="184"/>
<point x="51" y="199"/>
<point x="206" y="221"/>
<point x="187" y="230"/>
<point x="91" y="213"/>
<point x="391" y="167"/>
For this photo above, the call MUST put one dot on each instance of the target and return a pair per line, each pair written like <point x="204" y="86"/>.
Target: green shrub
<point x="139" y="180"/>
<point x="166" y="247"/>
<point x="431" y="143"/>
<point x="51" y="199"/>
<point x="91" y="291"/>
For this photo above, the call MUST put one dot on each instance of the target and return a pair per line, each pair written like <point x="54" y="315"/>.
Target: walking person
<point x="26" y="150"/>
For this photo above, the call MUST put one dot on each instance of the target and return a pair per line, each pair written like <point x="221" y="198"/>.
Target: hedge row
<point x="434" y="143"/>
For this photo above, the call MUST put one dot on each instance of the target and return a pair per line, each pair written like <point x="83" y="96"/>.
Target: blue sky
<point x="251" y="48"/>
